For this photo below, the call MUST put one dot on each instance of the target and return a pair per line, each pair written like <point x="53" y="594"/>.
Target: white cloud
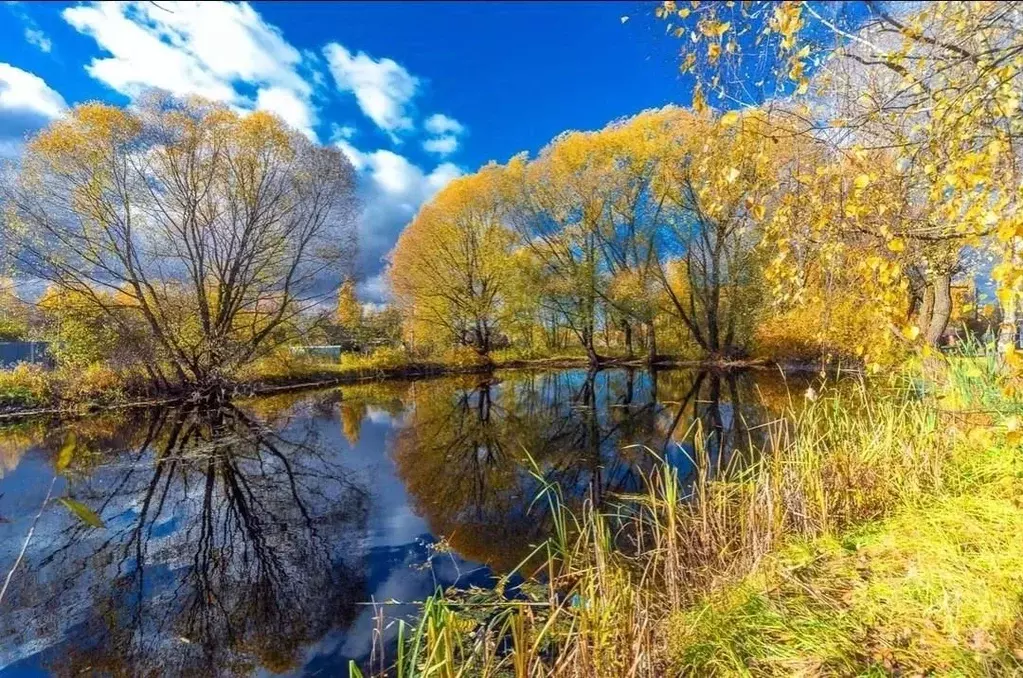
<point x="392" y="190"/>
<point x="33" y="34"/>
<point x="445" y="145"/>
<point x="440" y="124"/>
<point x="375" y="287"/>
<point x="36" y="37"/>
<point x="26" y="103"/>
<point x="289" y="106"/>
<point x="204" y="48"/>
<point x="357" y="157"/>
<point x="383" y="89"/>
<point x="445" y="131"/>
<point x="342" y="131"/>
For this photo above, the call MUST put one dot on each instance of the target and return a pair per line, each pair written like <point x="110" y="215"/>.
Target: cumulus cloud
<point x="204" y="48"/>
<point x="446" y="132"/>
<point x="392" y="190"/>
<point x="438" y="124"/>
<point x="383" y="88"/>
<point x="26" y="104"/>
<point x="289" y="106"/>
<point x="445" y="145"/>
<point x="377" y="288"/>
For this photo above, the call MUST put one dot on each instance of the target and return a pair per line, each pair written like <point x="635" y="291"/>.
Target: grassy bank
<point x="30" y="388"/>
<point x="876" y="533"/>
<point x="27" y="389"/>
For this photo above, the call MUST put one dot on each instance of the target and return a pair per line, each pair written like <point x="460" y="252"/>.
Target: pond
<point x="253" y="540"/>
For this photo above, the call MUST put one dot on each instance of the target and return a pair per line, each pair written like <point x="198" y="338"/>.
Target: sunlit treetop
<point x="919" y="102"/>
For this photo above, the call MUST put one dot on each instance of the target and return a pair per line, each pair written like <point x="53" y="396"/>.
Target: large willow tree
<point x="215" y="230"/>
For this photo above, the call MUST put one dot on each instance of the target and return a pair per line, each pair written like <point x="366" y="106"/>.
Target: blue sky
<point x="414" y="93"/>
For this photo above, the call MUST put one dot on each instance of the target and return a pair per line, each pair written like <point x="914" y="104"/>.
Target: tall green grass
<point x="875" y="531"/>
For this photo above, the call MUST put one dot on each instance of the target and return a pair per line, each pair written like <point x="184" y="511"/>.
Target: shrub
<point x="24" y="386"/>
<point x="96" y="382"/>
<point x="13" y="329"/>
<point x="286" y="364"/>
<point x="383" y="358"/>
<point x="461" y="356"/>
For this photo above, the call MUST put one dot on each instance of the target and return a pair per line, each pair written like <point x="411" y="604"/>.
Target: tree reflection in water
<point x="229" y="545"/>
<point x="240" y="540"/>
<point x="465" y="451"/>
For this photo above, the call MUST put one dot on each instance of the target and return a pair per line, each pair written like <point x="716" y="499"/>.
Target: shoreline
<point x="411" y="371"/>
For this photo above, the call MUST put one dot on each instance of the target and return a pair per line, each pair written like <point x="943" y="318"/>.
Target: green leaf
<point x="67" y="452"/>
<point x="83" y="512"/>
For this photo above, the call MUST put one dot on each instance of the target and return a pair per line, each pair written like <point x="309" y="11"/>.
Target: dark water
<point x="248" y="540"/>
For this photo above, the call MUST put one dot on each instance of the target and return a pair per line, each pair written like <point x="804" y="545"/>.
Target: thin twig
<point x="28" y="538"/>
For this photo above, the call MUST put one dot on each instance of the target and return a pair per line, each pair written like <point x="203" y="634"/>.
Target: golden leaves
<point x="699" y="101"/>
<point x="712" y="28"/>
<point x="729" y="118"/>
<point x="787" y="20"/>
<point x="67" y="452"/>
<point x="82" y="512"/>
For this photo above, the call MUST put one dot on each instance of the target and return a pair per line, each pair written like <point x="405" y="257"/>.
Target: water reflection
<point x="227" y="546"/>
<point x="243" y="540"/>
<point x="466" y="450"/>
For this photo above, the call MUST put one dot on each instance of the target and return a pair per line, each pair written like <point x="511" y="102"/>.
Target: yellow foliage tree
<point x="349" y="310"/>
<point x="214" y="228"/>
<point x="920" y="107"/>
<point x="449" y="270"/>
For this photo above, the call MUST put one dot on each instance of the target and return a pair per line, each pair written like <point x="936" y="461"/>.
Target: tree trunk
<point x="482" y="343"/>
<point x="588" y="338"/>
<point x="1008" y="329"/>
<point x="713" y="338"/>
<point x="926" y="308"/>
<point x="627" y="328"/>
<point x="651" y="343"/>
<point x="941" y="309"/>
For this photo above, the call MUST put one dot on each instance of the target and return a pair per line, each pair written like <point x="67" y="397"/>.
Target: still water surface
<point x="248" y="541"/>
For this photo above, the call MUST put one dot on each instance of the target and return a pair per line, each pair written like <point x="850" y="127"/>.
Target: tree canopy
<point x="215" y="230"/>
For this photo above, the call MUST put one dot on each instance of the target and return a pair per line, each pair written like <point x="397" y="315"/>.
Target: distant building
<point x="35" y="352"/>
<point x="329" y="353"/>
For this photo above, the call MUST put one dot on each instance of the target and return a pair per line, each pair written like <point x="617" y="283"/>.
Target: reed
<point x="873" y="531"/>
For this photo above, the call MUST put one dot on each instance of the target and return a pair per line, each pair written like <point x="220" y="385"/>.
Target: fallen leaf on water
<point x="83" y="512"/>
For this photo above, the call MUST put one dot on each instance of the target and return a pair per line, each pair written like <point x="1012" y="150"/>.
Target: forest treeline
<point x="710" y="235"/>
<point x="843" y="183"/>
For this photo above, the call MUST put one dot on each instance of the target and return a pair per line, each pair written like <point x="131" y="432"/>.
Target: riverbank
<point x="31" y="391"/>
<point x="876" y="533"/>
